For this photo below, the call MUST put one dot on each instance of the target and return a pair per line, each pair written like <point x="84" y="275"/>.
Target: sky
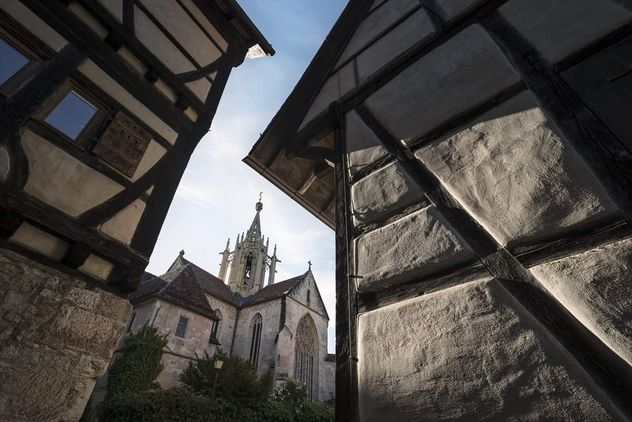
<point x="217" y="195"/>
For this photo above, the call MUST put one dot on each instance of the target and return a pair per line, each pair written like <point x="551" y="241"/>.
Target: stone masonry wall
<point x="490" y="211"/>
<point x="57" y="334"/>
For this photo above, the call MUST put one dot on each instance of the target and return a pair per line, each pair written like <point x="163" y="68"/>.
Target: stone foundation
<point x="57" y="334"/>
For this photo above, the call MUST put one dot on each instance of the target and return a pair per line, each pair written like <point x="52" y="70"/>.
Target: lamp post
<point x="218" y="365"/>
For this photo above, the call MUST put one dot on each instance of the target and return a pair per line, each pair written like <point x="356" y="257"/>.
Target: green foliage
<point x="157" y="406"/>
<point x="292" y="393"/>
<point x="237" y="381"/>
<point x="314" y="412"/>
<point x="137" y="367"/>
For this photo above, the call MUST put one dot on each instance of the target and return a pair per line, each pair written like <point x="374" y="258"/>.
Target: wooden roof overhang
<point x="299" y="160"/>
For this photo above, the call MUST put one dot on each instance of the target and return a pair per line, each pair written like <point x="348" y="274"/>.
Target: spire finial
<point x="259" y="205"/>
<point x="310" y="265"/>
<point x="182" y="252"/>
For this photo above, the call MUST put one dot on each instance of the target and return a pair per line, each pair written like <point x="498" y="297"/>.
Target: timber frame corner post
<point x="346" y="304"/>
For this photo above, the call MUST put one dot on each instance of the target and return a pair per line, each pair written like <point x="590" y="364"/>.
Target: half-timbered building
<point x="101" y="105"/>
<point x="474" y="159"/>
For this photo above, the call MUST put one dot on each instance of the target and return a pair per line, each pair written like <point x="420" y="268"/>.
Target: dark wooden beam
<point x="17" y="109"/>
<point x="16" y="201"/>
<point x="346" y="304"/>
<point x="469" y="271"/>
<point x="168" y="177"/>
<point x="606" y="155"/>
<point x="58" y="266"/>
<point x="10" y="221"/>
<point x="201" y="72"/>
<point x="608" y="369"/>
<point x="60" y="141"/>
<point x="128" y="16"/>
<point x="78" y="33"/>
<point x="76" y="255"/>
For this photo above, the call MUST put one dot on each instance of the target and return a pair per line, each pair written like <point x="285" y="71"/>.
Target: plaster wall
<point x="227" y="325"/>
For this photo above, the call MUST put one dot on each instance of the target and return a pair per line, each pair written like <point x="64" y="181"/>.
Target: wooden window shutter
<point x="123" y="144"/>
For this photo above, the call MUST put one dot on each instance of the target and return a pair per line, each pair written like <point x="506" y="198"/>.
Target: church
<point x="279" y="327"/>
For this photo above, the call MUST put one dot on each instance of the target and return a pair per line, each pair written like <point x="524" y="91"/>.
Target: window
<point x="217" y="326"/>
<point x="308" y="296"/>
<point x="255" y="341"/>
<point x="72" y="114"/>
<point x="248" y="270"/>
<point x="182" y="327"/>
<point x="305" y="350"/>
<point x="11" y="61"/>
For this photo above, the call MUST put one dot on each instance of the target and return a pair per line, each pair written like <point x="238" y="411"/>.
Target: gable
<point x="308" y="287"/>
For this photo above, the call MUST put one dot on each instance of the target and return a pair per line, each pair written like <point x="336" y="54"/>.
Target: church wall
<point x="270" y="312"/>
<point x="181" y="350"/>
<point x="227" y="326"/>
<point x="490" y="248"/>
<point x="296" y="308"/>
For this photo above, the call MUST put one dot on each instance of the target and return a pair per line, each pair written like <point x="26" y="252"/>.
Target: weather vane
<point x="260" y="195"/>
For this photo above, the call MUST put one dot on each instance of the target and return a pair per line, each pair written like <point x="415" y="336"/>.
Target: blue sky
<point x="217" y="195"/>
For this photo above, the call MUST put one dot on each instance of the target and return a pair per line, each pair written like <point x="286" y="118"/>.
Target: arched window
<point x="216" y="329"/>
<point x="255" y="342"/>
<point x="305" y="353"/>
<point x="248" y="269"/>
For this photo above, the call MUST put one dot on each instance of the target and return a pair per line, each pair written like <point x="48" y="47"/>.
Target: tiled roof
<point x="176" y="286"/>
<point x="185" y="284"/>
<point x="274" y="291"/>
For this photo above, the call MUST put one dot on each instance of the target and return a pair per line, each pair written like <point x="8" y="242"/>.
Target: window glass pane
<point x="182" y="326"/>
<point x="71" y="115"/>
<point x="11" y="60"/>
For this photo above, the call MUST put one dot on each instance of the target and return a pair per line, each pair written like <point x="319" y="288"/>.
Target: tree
<point x="237" y="381"/>
<point x="139" y="365"/>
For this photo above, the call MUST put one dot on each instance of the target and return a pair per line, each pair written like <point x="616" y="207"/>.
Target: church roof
<point x="274" y="291"/>
<point x="177" y="286"/>
<point x="207" y="281"/>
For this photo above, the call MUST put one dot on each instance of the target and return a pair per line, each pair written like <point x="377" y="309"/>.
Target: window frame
<point x="89" y="135"/>
<point x="184" y="330"/>
<point x="35" y="50"/>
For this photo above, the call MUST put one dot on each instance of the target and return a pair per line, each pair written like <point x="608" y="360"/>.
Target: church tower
<point x="245" y="267"/>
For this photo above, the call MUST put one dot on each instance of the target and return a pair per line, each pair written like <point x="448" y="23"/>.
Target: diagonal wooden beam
<point x="609" y="370"/>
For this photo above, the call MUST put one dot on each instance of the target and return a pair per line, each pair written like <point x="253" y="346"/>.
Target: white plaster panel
<point x="133" y="61"/>
<point x="153" y="153"/>
<point x="558" y="28"/>
<point x="413" y="246"/>
<point x="458" y="75"/>
<point x="514" y="172"/>
<point x="184" y="30"/>
<point x="123" y="225"/>
<point x="596" y="287"/>
<point x="200" y="88"/>
<point x="159" y="45"/>
<point x="40" y="241"/>
<point x="375" y="23"/>
<point x="89" y="20"/>
<point x="453" y="8"/>
<point x="115" y="7"/>
<point x="37" y="26"/>
<point x="363" y="146"/>
<point x="328" y="93"/>
<point x="5" y="163"/>
<point x="384" y="191"/>
<point x="202" y="20"/>
<point x="54" y="173"/>
<point x="470" y="352"/>
<point x="97" y="267"/>
<point x="110" y="86"/>
<point x="412" y="30"/>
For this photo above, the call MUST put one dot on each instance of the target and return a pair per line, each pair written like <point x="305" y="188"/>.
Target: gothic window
<point x="308" y="296"/>
<point x="248" y="270"/>
<point x="255" y="342"/>
<point x="217" y="326"/>
<point x="305" y="352"/>
<point x="182" y="326"/>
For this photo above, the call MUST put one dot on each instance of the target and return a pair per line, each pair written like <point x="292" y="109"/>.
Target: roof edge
<point x="239" y="13"/>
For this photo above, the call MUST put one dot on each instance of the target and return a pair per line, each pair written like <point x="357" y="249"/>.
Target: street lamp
<point x="218" y="365"/>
